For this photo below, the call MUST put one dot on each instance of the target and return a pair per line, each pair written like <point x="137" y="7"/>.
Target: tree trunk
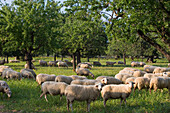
<point x="29" y="60"/>
<point x="124" y="58"/>
<point x="88" y="59"/>
<point x="155" y="44"/>
<point x="61" y="57"/>
<point x="7" y="61"/>
<point x="55" y="57"/>
<point x="99" y="58"/>
<point x="78" y="57"/>
<point x="74" y="62"/>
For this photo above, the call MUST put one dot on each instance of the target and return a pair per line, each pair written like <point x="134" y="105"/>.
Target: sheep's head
<point x="131" y="84"/>
<point x="99" y="86"/>
<point x="104" y="80"/>
<point x="7" y="91"/>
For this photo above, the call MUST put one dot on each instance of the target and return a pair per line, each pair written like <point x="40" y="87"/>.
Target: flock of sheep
<point x="78" y="87"/>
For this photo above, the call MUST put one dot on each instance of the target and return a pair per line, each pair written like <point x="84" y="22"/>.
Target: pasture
<point x="26" y="93"/>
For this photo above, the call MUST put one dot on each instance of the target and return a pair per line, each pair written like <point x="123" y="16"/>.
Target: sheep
<point x="141" y="83"/>
<point x="11" y="74"/>
<point x="150" y="75"/>
<point x="76" y="77"/>
<point x="62" y="64"/>
<point x="149" y="68"/>
<point x="110" y="63"/>
<point x="97" y="63"/>
<point x="142" y="64"/>
<point x="82" y="93"/>
<point x="135" y="64"/>
<point x="68" y="62"/>
<point x="139" y="73"/>
<point x="53" y="88"/>
<point x="52" y="63"/>
<point x="159" y="83"/>
<point x="122" y="76"/>
<point x="4" y="88"/>
<point x="14" y="61"/>
<point x="40" y="78"/>
<point x="84" y="71"/>
<point x="32" y="66"/>
<point x="116" y="91"/>
<point x="161" y="70"/>
<point x="130" y="69"/>
<point x="42" y="63"/>
<point x="166" y="74"/>
<point x="84" y="65"/>
<point x="88" y="64"/>
<point x="120" y="62"/>
<point x="2" y="68"/>
<point x="89" y="81"/>
<point x="62" y="78"/>
<point x="130" y="79"/>
<point x="28" y="73"/>
<point x="126" y="72"/>
<point x="110" y="79"/>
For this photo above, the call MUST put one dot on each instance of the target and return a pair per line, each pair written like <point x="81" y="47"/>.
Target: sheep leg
<point x="68" y="102"/>
<point x="46" y="97"/>
<point x="104" y="102"/>
<point x="150" y="90"/>
<point x="88" y="106"/>
<point x="60" y="97"/>
<point x="71" y="105"/>
<point x="121" y="101"/>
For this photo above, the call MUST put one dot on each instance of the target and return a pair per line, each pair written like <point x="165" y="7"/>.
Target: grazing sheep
<point x="2" y="68"/>
<point x="96" y="63"/>
<point x="11" y="74"/>
<point x="76" y="77"/>
<point x="89" y="64"/>
<point x="62" y="64"/>
<point x="166" y="74"/>
<point x="141" y="83"/>
<point x="84" y="71"/>
<point x="149" y="68"/>
<point x="2" y="62"/>
<point x="110" y="79"/>
<point x="161" y="70"/>
<point x="135" y="64"/>
<point x="122" y="76"/>
<point x="82" y="93"/>
<point x="126" y="72"/>
<point x="28" y="73"/>
<point x="130" y="69"/>
<point x="14" y="61"/>
<point x="42" y="63"/>
<point x="130" y="79"/>
<point x="116" y="91"/>
<point x="32" y="66"/>
<point x="110" y="63"/>
<point x="89" y="81"/>
<point x="52" y="63"/>
<point x="40" y="78"/>
<point x="139" y="73"/>
<point x="120" y="62"/>
<point x="151" y="75"/>
<point x="142" y="64"/>
<point x="4" y="88"/>
<point x="84" y="65"/>
<point x="68" y="62"/>
<point x="160" y="83"/>
<point x="62" y="78"/>
<point x="53" y="88"/>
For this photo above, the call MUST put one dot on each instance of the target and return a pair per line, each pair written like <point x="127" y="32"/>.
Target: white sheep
<point x="2" y="62"/>
<point x="63" y="78"/>
<point x="161" y="70"/>
<point x="135" y="64"/>
<point x="116" y="91"/>
<point x="4" y="88"/>
<point x="62" y="64"/>
<point x="160" y="83"/>
<point x="142" y="64"/>
<point x="141" y="83"/>
<point x="32" y="66"/>
<point x="43" y="63"/>
<point x="166" y="74"/>
<point x="84" y="65"/>
<point x="82" y="93"/>
<point x="53" y="88"/>
<point x="28" y="73"/>
<point x="84" y="71"/>
<point x="52" y="63"/>
<point x="151" y="75"/>
<point x="123" y="76"/>
<point x="76" y="77"/>
<point x="2" y="68"/>
<point x="126" y="72"/>
<point x="11" y="74"/>
<point x="139" y="73"/>
<point x="110" y="79"/>
<point x="40" y="78"/>
<point x="130" y="69"/>
<point x="89" y="81"/>
<point x="110" y="63"/>
<point x="149" y="68"/>
<point x="130" y="79"/>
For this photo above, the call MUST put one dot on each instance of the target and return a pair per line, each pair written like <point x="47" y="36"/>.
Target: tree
<point x="31" y="25"/>
<point x="148" y="19"/>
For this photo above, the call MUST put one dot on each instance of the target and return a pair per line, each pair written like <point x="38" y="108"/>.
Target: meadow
<point x="26" y="93"/>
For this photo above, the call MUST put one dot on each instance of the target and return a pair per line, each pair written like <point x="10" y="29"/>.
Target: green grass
<point x="25" y="93"/>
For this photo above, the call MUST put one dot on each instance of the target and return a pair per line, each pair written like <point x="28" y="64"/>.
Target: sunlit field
<point x="26" y="92"/>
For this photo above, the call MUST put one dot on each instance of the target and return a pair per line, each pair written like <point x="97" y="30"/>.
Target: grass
<point x="25" y="93"/>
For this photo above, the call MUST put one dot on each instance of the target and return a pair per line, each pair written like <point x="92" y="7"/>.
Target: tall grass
<point x="25" y="93"/>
